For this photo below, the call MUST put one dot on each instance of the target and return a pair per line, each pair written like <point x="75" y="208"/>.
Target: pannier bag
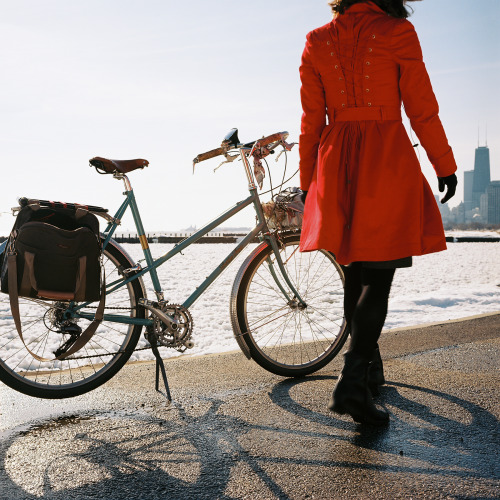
<point x="54" y="253"/>
<point x="285" y="211"/>
<point x="57" y="254"/>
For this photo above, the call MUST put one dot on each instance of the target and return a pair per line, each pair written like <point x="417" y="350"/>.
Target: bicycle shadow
<point x="152" y="456"/>
<point x="204" y="451"/>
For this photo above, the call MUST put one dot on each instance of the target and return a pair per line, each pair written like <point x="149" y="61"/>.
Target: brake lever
<point x="228" y="159"/>
<point x="286" y="147"/>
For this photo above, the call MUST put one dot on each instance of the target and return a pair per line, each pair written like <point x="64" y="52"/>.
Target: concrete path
<point x="236" y="431"/>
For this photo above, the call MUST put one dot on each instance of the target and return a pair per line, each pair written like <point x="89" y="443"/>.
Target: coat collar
<point x="366" y="6"/>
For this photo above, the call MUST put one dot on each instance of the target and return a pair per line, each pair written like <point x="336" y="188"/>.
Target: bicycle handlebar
<point x="209" y="154"/>
<point x="278" y="136"/>
<point x="259" y="143"/>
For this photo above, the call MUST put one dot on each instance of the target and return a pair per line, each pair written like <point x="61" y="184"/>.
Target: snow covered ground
<point x="473" y="233"/>
<point x="463" y="281"/>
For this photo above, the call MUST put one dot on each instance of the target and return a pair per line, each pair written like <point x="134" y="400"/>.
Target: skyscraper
<point x="468" y="182"/>
<point x="493" y="192"/>
<point x="481" y="174"/>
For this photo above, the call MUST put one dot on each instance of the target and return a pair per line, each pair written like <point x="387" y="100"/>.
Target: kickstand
<point x="160" y="366"/>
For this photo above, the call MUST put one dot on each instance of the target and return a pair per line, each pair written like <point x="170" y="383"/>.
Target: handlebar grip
<point x="209" y="154"/>
<point x="271" y="138"/>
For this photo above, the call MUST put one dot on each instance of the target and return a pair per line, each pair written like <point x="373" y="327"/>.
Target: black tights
<point x="366" y="297"/>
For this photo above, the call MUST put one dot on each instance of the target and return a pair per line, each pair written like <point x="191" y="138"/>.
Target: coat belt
<point x="365" y="113"/>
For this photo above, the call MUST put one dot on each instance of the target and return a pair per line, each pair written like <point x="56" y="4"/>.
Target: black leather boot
<point x="352" y="395"/>
<point x="376" y="373"/>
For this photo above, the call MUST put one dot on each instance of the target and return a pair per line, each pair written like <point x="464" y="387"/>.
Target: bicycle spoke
<point x="326" y="317"/>
<point x="254" y="328"/>
<point x="271" y="287"/>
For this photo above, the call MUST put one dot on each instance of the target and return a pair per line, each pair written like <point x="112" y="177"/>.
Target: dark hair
<point x="395" y="8"/>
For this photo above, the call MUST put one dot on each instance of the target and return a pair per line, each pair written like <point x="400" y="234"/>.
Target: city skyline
<point x="481" y="205"/>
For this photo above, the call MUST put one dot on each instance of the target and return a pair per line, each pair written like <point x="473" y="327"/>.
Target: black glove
<point x="451" y="184"/>
<point x="303" y="196"/>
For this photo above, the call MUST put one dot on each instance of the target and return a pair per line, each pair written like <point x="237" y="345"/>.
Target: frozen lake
<point x="463" y="281"/>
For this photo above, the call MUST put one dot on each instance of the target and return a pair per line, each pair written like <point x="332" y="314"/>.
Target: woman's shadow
<point x="449" y="434"/>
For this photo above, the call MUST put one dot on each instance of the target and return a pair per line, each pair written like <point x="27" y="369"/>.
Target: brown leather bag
<point x="54" y="254"/>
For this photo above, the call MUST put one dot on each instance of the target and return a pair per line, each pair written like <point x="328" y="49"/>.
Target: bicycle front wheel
<point x="273" y="330"/>
<point x="45" y="331"/>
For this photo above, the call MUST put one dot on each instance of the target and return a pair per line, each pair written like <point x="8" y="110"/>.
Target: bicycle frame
<point x="152" y="265"/>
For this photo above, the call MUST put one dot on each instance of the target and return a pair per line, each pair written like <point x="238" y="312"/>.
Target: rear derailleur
<point x="55" y="321"/>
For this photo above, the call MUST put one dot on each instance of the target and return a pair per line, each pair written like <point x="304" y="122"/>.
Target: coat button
<point x="370" y="49"/>
<point x="328" y="43"/>
<point x="368" y="63"/>
<point x="369" y="104"/>
<point x="367" y="90"/>
<point x="343" y="105"/>
<point x="331" y="53"/>
<point x="373" y="36"/>
<point x="367" y="77"/>
<point x="342" y="91"/>
<point x="340" y="78"/>
<point x="336" y="66"/>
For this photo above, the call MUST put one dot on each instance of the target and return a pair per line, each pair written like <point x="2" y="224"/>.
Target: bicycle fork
<point x="297" y="300"/>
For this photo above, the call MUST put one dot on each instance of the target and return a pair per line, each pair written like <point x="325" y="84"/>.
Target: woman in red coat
<point x="367" y="200"/>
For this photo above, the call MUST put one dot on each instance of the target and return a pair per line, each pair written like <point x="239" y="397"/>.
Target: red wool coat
<point x="368" y="199"/>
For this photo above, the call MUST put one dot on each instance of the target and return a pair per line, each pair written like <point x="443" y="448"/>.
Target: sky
<point x="165" y="80"/>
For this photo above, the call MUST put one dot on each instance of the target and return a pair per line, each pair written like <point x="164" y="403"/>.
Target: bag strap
<point x="80" y="280"/>
<point x="14" y="306"/>
<point x="28" y="280"/>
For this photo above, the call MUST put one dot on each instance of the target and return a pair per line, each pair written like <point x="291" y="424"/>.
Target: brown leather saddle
<point x="122" y="166"/>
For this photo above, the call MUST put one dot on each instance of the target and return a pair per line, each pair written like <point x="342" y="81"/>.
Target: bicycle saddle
<point x="122" y="166"/>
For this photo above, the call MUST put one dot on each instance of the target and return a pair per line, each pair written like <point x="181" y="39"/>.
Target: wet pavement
<point x="236" y="431"/>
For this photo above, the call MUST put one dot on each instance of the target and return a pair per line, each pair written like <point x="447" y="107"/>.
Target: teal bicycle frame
<point x="152" y="265"/>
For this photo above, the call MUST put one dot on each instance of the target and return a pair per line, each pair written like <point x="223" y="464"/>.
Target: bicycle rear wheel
<point x="100" y="359"/>
<point x="277" y="334"/>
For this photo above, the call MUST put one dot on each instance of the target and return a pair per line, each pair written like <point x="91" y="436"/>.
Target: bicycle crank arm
<point x="171" y="324"/>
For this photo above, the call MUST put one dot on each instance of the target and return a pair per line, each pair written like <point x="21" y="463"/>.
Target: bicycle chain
<point x="111" y="307"/>
<point x="110" y="353"/>
<point x="117" y="352"/>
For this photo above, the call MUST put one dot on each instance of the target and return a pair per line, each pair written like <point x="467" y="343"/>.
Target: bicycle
<point x="285" y="307"/>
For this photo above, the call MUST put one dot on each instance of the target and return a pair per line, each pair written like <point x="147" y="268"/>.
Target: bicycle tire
<point x="279" y="336"/>
<point x="93" y="365"/>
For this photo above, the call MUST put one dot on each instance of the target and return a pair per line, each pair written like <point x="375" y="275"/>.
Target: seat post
<point x="119" y="175"/>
